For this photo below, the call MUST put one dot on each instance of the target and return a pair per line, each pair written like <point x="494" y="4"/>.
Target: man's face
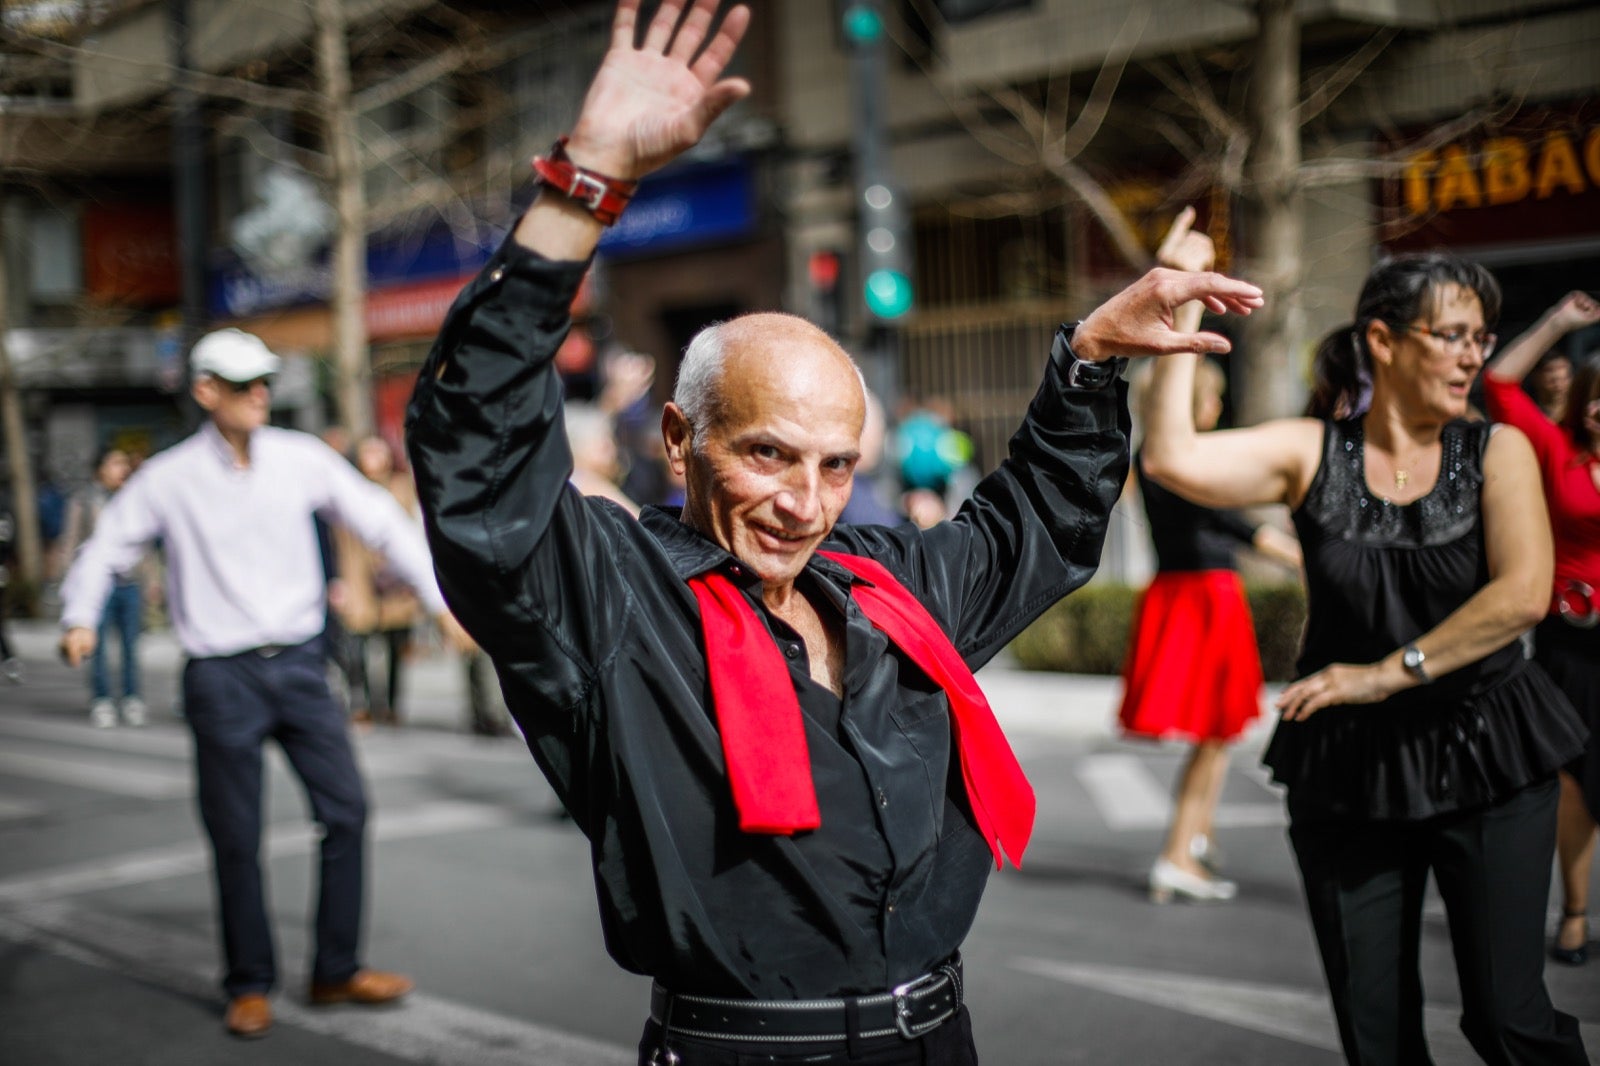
<point x="768" y="477"/>
<point x="235" y="407"/>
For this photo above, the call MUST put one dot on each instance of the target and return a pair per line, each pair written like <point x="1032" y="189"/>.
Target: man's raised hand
<point x="1139" y="320"/>
<point x="651" y="102"/>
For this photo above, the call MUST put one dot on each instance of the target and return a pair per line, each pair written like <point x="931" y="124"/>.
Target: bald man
<point x="766" y="723"/>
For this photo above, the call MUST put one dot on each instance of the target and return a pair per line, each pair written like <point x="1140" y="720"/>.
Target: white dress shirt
<point x="243" y="568"/>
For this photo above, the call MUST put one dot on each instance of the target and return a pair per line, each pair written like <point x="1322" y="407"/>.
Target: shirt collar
<point x="691" y="553"/>
<point x="219" y="446"/>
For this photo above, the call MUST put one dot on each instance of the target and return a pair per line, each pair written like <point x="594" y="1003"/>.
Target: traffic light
<point x="885" y="254"/>
<point x="823" y="270"/>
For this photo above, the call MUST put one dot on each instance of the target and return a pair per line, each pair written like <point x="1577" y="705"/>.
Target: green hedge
<point x="1087" y="632"/>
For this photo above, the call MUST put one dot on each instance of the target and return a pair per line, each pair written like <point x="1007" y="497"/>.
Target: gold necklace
<point x="1400" y="478"/>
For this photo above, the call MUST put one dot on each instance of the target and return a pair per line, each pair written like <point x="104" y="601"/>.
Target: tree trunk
<point x="1270" y="379"/>
<point x="24" y="501"/>
<point x="352" y="369"/>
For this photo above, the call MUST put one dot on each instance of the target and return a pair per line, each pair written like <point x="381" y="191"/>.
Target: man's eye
<point x="764" y="451"/>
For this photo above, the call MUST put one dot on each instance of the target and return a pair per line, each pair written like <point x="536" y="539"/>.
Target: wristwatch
<point x="1411" y="658"/>
<point x="1083" y="373"/>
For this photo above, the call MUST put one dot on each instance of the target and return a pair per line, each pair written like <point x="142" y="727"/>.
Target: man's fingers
<point x="714" y="60"/>
<point x="1175" y="235"/>
<point x="622" y="26"/>
<point x="659" y="35"/>
<point x="720" y="97"/>
<point x="693" y="31"/>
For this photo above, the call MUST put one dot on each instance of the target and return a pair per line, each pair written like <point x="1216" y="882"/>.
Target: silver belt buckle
<point x="902" y="1001"/>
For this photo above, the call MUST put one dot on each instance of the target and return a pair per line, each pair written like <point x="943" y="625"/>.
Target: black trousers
<point x="1364" y="886"/>
<point x="949" y="1045"/>
<point x="233" y="704"/>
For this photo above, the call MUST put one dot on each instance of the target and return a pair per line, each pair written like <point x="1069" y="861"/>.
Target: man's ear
<point x="206" y="392"/>
<point x="678" y="436"/>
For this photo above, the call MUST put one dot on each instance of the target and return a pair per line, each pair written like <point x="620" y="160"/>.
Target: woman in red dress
<point x="1192" y="671"/>
<point x="1567" y="642"/>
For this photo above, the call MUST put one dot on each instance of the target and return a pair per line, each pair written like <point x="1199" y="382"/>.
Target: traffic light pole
<point x="884" y="243"/>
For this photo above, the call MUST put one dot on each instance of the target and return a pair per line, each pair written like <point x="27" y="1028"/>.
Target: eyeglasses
<point x="245" y="386"/>
<point x="1457" y="340"/>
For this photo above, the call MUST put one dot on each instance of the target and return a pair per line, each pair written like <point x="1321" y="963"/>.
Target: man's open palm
<point x="650" y="103"/>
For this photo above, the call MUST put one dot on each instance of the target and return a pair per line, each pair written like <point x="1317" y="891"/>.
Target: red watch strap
<point x="603" y="197"/>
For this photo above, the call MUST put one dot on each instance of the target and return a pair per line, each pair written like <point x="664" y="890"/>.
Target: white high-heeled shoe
<point x="1169" y="882"/>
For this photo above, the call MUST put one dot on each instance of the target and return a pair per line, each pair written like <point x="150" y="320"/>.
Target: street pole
<point x="24" y="499"/>
<point x="189" y="191"/>
<point x="884" y="239"/>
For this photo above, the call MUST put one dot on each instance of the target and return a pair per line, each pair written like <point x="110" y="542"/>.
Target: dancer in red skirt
<point x="1192" y="669"/>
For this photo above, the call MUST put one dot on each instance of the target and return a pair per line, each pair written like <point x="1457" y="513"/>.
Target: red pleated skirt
<point x="1192" y="669"/>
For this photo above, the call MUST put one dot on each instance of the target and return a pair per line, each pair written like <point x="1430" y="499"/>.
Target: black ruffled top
<point x="1379" y="575"/>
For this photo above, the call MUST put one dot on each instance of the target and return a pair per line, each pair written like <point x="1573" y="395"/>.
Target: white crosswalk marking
<point x="118" y="777"/>
<point x="1129" y="796"/>
<point x="422" y="1028"/>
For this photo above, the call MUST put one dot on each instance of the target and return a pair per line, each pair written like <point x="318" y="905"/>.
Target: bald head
<point x="758" y="352"/>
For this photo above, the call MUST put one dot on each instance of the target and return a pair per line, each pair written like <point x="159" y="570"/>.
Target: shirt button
<point x="497" y="273"/>
<point x="792" y="651"/>
<point x="883" y="798"/>
<point x="890" y="905"/>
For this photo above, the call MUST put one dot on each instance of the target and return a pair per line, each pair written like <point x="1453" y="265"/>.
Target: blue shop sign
<point x="684" y="207"/>
<point x="237" y="290"/>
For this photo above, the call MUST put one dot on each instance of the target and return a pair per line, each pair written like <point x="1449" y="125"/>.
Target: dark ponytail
<point x="1398" y="291"/>
<point x="1341" y="384"/>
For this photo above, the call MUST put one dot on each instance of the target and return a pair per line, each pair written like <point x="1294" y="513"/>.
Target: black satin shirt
<point x="596" y="638"/>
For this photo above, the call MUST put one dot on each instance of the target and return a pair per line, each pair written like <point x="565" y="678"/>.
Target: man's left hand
<point x="1139" y="319"/>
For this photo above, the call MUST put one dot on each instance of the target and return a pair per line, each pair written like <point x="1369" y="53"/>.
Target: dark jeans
<point x="949" y="1045"/>
<point x="233" y="704"/>
<point x="124" y="613"/>
<point x="1364" y="885"/>
<point x="363" y="694"/>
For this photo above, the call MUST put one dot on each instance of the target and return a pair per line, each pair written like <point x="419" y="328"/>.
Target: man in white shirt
<point x="233" y="506"/>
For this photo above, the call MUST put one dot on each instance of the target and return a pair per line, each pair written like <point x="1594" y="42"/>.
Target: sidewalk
<point x="1070" y="706"/>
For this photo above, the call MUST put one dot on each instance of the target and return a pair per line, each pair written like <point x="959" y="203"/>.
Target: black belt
<point x="910" y="1010"/>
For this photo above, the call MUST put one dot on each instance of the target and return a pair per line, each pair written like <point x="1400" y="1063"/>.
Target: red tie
<point x="763" y="734"/>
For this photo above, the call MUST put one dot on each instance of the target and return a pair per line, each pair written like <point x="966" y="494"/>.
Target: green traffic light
<point x="862" y="24"/>
<point x="888" y="293"/>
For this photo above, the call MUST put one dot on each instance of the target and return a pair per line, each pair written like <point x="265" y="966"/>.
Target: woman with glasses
<point x="1417" y="739"/>
<point x="1567" y="642"/>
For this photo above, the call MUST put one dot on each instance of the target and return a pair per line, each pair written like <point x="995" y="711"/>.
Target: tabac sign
<point x="1532" y="179"/>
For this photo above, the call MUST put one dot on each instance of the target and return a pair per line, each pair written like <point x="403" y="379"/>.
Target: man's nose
<point x="801" y="498"/>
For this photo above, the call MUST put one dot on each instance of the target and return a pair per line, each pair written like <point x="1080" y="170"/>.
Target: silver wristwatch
<point x="1083" y="373"/>
<point x="1412" y="658"/>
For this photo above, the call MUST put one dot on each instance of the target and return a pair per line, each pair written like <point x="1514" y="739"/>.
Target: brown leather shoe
<point x="249" y="1015"/>
<point x="364" y="986"/>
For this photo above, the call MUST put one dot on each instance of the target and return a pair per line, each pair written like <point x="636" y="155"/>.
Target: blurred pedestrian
<point x="866" y="505"/>
<point x="1567" y="642"/>
<point x="596" y="460"/>
<point x="756" y="735"/>
<point x="1417" y="739"/>
<point x="124" y="608"/>
<point x="1549" y="383"/>
<point x="376" y="606"/>
<point x="233" y="506"/>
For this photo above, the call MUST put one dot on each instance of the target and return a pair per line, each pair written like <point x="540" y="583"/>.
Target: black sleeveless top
<point x="1379" y="575"/>
<point x="1187" y="536"/>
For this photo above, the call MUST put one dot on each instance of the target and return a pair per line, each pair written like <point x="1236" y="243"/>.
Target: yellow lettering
<point x="1456" y="184"/>
<point x="1558" y="165"/>
<point x="1417" y="178"/>
<point x="1505" y="170"/>
<point x="1591" y="154"/>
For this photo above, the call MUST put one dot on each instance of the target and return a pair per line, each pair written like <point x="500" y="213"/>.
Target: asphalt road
<point x="483" y="893"/>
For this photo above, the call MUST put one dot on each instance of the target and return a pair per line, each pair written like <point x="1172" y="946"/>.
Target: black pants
<point x="363" y="692"/>
<point x="949" y="1045"/>
<point x="233" y="704"/>
<point x="1364" y="885"/>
